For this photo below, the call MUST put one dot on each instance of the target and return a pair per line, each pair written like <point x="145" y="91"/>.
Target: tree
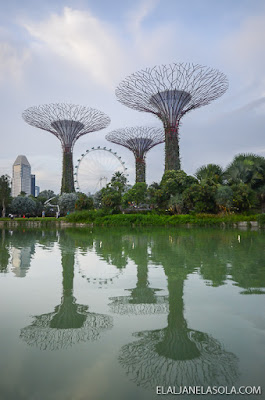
<point x="244" y="198"/>
<point x="248" y="169"/>
<point x="200" y="198"/>
<point x="111" y="195"/>
<point x="224" y="197"/>
<point x="137" y="194"/>
<point x="67" y="202"/>
<point x="5" y="191"/>
<point x="46" y="194"/>
<point x="174" y="182"/>
<point x="83" y="202"/>
<point x="211" y="174"/>
<point x="23" y="205"/>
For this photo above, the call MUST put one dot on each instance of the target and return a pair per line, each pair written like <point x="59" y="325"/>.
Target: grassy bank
<point x="156" y="220"/>
<point x="97" y="218"/>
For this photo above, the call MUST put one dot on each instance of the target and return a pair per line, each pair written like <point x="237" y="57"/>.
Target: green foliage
<point x="137" y="194"/>
<point x="5" y="193"/>
<point x="261" y="219"/>
<point x="248" y="169"/>
<point x="211" y="174"/>
<point x="157" y="198"/>
<point x="45" y="195"/>
<point x="111" y="195"/>
<point x="23" y="205"/>
<point x="176" y="204"/>
<point x="99" y="218"/>
<point x="111" y="199"/>
<point x="224" y="197"/>
<point x="200" y="198"/>
<point x="83" y="202"/>
<point x="67" y="175"/>
<point x="244" y="198"/>
<point x="67" y="202"/>
<point x="174" y="182"/>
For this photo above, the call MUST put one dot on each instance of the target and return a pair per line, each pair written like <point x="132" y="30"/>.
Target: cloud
<point x="82" y="40"/>
<point x="243" y="51"/>
<point x="137" y="16"/>
<point x="12" y="62"/>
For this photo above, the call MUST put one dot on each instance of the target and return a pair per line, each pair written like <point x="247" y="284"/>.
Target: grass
<point x="98" y="218"/>
<point x="149" y="219"/>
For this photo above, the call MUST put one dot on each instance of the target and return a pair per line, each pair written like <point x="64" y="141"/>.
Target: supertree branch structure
<point x="139" y="140"/>
<point x="169" y="92"/>
<point x="67" y="122"/>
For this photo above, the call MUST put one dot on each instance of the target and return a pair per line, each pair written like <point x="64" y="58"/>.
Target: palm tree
<point x="211" y="174"/>
<point x="246" y="168"/>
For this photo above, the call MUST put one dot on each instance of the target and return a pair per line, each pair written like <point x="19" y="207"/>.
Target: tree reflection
<point x="177" y="355"/>
<point x="4" y="251"/>
<point x="69" y="323"/>
<point x="142" y="299"/>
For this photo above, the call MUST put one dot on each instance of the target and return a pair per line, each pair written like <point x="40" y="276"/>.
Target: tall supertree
<point x="169" y="92"/>
<point x="139" y="140"/>
<point x="67" y="122"/>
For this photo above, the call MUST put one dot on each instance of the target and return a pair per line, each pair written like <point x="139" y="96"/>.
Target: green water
<point x="111" y="314"/>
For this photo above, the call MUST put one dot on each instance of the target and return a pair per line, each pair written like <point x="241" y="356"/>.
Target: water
<point x="111" y="314"/>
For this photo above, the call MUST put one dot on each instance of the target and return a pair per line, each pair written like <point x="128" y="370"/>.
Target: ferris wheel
<point x="95" y="169"/>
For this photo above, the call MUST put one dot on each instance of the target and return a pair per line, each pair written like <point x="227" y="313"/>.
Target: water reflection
<point x="4" y="251"/>
<point x="176" y="354"/>
<point x="69" y="323"/>
<point x="142" y="299"/>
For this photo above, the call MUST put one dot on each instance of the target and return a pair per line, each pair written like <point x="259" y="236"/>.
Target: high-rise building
<point x="37" y="191"/>
<point x="32" y="187"/>
<point x="21" y="178"/>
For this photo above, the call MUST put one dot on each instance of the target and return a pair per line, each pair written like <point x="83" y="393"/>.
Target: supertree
<point x="169" y="92"/>
<point x="139" y="140"/>
<point x="67" y="122"/>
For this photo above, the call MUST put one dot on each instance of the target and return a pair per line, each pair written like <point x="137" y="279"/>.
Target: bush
<point x="23" y="205"/>
<point x="200" y="198"/>
<point x="244" y="198"/>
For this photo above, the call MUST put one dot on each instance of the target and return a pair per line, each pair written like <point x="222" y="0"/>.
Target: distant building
<point x="37" y="191"/>
<point x="32" y="191"/>
<point x="21" y="177"/>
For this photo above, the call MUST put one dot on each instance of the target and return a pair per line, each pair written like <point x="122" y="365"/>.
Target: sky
<point x="79" y="51"/>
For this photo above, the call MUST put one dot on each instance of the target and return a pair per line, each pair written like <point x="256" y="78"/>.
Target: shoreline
<point x="116" y="221"/>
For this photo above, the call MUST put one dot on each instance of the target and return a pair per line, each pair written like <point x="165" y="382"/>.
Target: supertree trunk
<point x="139" y="169"/>
<point x="172" y="160"/>
<point x="68" y="173"/>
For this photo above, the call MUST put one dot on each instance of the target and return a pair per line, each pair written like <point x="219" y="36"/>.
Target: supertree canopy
<point x="67" y="122"/>
<point x="169" y="92"/>
<point x="139" y="140"/>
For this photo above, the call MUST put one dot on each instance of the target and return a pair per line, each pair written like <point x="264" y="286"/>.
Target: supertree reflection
<point x="142" y="299"/>
<point x="176" y="354"/>
<point x="69" y="323"/>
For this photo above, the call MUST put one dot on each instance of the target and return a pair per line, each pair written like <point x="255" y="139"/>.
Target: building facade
<point x="32" y="190"/>
<point x="21" y="176"/>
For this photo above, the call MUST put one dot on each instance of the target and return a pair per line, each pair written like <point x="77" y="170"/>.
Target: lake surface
<point x="112" y="313"/>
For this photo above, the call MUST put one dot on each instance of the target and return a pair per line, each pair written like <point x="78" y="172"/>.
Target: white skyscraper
<point x="21" y="179"/>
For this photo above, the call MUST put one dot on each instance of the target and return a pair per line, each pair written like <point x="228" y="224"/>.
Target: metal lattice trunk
<point x="172" y="159"/>
<point x="139" y="169"/>
<point x="139" y="140"/>
<point x="169" y="92"/>
<point x="67" y="185"/>
<point x="68" y="122"/>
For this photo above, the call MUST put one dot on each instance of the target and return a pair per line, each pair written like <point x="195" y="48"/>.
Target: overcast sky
<point x="78" y="51"/>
